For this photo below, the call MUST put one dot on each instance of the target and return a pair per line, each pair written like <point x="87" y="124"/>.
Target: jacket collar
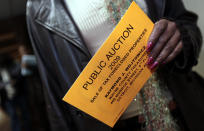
<point x="54" y="15"/>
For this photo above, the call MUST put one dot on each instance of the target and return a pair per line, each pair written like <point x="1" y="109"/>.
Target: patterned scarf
<point x="155" y="102"/>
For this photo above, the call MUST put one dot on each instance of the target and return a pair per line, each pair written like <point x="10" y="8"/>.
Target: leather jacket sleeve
<point x="185" y="85"/>
<point x="190" y="34"/>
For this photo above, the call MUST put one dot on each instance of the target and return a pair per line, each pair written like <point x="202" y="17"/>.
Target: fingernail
<point x="154" y="65"/>
<point x="150" y="61"/>
<point x="149" y="46"/>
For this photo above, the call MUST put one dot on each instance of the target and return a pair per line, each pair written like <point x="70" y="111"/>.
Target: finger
<point x="176" y="51"/>
<point x="159" y="28"/>
<point x="161" y="43"/>
<point x="169" y="47"/>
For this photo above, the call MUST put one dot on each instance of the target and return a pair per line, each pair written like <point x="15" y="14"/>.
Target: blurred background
<point x="25" y="104"/>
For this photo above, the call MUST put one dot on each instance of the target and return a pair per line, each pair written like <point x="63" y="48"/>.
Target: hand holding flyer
<point x="117" y="72"/>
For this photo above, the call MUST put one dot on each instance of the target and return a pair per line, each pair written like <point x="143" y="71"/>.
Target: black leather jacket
<point x="62" y="54"/>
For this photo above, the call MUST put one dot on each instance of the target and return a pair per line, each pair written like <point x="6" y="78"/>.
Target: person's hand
<point x="164" y="43"/>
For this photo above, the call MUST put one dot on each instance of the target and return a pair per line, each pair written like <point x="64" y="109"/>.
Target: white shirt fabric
<point x="92" y="19"/>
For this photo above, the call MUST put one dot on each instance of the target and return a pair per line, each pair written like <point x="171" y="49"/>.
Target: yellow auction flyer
<point x="117" y="72"/>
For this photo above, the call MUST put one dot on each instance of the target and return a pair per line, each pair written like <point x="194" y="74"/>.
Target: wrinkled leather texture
<point x="62" y="54"/>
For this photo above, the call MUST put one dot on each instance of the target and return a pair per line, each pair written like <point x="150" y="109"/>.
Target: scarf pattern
<point x="154" y="101"/>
